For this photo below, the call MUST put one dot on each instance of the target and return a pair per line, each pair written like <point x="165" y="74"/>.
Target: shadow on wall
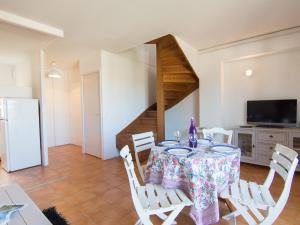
<point x="178" y="117"/>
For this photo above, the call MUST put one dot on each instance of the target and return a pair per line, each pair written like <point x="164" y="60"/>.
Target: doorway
<point x="58" y="109"/>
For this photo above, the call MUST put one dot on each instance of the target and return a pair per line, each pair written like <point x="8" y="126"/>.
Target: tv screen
<point x="272" y="112"/>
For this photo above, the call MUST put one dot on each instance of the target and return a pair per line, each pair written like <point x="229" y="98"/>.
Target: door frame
<point x="83" y="114"/>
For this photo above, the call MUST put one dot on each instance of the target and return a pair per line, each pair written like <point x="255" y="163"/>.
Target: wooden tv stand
<point x="257" y="143"/>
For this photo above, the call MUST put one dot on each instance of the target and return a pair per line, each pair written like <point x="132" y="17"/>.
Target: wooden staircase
<point x="175" y="80"/>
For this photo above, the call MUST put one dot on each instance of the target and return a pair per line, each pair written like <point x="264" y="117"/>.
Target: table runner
<point x="202" y="176"/>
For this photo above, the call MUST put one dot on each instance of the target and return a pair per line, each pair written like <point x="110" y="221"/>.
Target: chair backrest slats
<point x="282" y="160"/>
<point x="142" y="135"/>
<point x="144" y="147"/>
<point x="213" y="132"/>
<point x="279" y="169"/>
<point x="287" y="152"/>
<point x="125" y="154"/>
<point x="142" y="142"/>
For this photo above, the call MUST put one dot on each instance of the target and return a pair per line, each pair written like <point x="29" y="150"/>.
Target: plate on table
<point x="179" y="151"/>
<point x="223" y="148"/>
<point x="204" y="142"/>
<point x="168" y="143"/>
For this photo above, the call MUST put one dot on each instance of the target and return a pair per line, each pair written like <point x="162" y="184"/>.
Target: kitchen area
<point x="23" y="141"/>
<point x="40" y="97"/>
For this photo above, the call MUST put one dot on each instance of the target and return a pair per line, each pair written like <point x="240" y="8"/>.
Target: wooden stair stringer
<point x="146" y="121"/>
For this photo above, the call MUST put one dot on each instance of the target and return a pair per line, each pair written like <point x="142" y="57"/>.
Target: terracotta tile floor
<point x="89" y="191"/>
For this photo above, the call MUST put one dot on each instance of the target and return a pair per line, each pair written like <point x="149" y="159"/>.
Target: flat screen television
<point x="272" y="112"/>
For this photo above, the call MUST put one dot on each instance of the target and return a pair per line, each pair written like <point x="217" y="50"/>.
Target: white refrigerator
<point x="19" y="134"/>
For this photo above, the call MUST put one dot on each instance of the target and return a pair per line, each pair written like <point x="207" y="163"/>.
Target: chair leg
<point x="171" y="218"/>
<point x="243" y="210"/>
<point x="144" y="221"/>
<point x="138" y="222"/>
<point x="228" y="204"/>
<point x="163" y="216"/>
<point x="232" y="220"/>
<point x="228" y="216"/>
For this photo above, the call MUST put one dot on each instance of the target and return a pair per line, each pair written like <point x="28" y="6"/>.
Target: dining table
<point x="202" y="175"/>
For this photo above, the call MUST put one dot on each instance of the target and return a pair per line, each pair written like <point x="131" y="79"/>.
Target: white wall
<point x="75" y="107"/>
<point x="220" y="76"/>
<point x="127" y="90"/>
<point x="179" y="116"/>
<point x="89" y="64"/>
<point x="38" y="92"/>
<point x="276" y="76"/>
<point x="190" y="53"/>
<point x="15" y="70"/>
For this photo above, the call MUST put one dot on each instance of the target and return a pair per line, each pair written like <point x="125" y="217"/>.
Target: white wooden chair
<point x="248" y="196"/>
<point x="142" y="142"/>
<point x="153" y="199"/>
<point x="216" y="131"/>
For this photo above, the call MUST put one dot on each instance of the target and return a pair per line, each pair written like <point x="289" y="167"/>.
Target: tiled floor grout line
<point x="35" y="187"/>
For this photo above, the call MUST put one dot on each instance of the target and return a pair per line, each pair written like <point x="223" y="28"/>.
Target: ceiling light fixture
<point x="249" y="73"/>
<point x="54" y="72"/>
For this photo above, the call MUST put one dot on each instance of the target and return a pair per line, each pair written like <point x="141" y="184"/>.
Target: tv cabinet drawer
<point x="263" y="159"/>
<point x="272" y="136"/>
<point x="265" y="149"/>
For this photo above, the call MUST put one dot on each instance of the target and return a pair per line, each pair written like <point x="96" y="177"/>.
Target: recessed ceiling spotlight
<point x="249" y="73"/>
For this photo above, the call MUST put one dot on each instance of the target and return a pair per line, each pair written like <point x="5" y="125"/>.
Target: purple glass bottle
<point x="193" y="134"/>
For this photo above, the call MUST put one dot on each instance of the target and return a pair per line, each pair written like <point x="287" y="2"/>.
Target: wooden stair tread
<point x="169" y="80"/>
<point x="173" y="60"/>
<point x="168" y="45"/>
<point x="169" y="53"/>
<point x="151" y="114"/>
<point x="142" y="125"/>
<point x="176" y="86"/>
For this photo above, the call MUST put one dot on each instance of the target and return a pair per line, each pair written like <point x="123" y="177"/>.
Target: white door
<point x="91" y="114"/>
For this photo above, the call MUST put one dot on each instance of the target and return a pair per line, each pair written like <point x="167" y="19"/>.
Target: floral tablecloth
<point x="202" y="176"/>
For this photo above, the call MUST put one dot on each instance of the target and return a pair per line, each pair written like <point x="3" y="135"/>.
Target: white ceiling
<point x="118" y="24"/>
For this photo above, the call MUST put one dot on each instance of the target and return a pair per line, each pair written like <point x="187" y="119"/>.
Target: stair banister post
<point x="160" y="98"/>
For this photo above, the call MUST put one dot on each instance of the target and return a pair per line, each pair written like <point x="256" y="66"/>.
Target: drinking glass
<point x="177" y="135"/>
<point x="210" y="136"/>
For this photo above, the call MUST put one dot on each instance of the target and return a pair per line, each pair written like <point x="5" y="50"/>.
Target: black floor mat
<point x="55" y="217"/>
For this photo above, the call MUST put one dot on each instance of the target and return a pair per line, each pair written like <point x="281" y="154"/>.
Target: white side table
<point x="30" y="215"/>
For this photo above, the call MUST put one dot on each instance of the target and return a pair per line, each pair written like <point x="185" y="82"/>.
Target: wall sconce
<point x="248" y="73"/>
